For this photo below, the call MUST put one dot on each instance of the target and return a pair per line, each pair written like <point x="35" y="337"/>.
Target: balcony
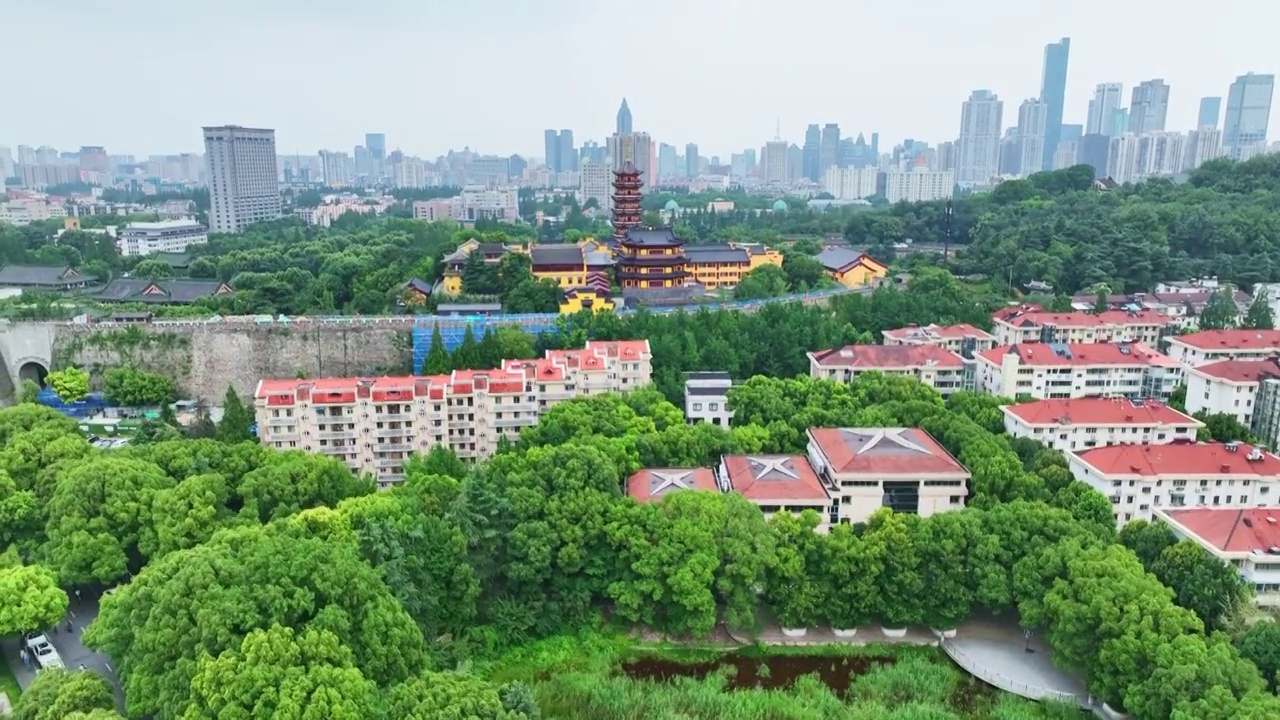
<point x="394" y="432"/>
<point x="388" y="446"/>
<point x="461" y="424"/>
<point x="336" y="434"/>
<point x="516" y="422"/>
<point x="283" y="436"/>
<point x="388" y="462"/>
<point x="393" y="417"/>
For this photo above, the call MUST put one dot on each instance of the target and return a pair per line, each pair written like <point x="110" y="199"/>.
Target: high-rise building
<point x="551" y="149"/>
<point x="1148" y="107"/>
<point x="1202" y="145"/>
<point x="6" y="163"/>
<point x="830" y="153"/>
<point x="980" y="128"/>
<point x="1122" y="158"/>
<point x="667" y="167"/>
<point x="377" y="144"/>
<point x="1210" y="109"/>
<point x="243" y="177"/>
<point x="568" y="161"/>
<point x="775" y="161"/>
<point x="691" y="160"/>
<point x="1053" y="91"/>
<point x="919" y="184"/>
<point x="337" y="168"/>
<point x="1093" y="150"/>
<point x="624" y="119"/>
<point x="795" y="160"/>
<point x="1106" y="98"/>
<point x="1010" y="153"/>
<point x="593" y="183"/>
<point x="1119" y="122"/>
<point x="812" y="152"/>
<point x="1160" y="154"/>
<point x="637" y="149"/>
<point x="1244" y="128"/>
<point x="850" y="183"/>
<point x="592" y="152"/>
<point x="26" y="155"/>
<point x="1033" y="118"/>
<point x="93" y="158"/>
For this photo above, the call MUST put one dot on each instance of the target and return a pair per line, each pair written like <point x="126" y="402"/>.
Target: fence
<point x="1007" y="683"/>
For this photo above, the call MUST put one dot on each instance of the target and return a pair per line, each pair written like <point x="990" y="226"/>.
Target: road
<point x="70" y="648"/>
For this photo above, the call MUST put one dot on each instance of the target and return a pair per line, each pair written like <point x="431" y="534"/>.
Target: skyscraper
<point x="775" y="161"/>
<point x="568" y="153"/>
<point x="1148" y="107"/>
<point x="1106" y="98"/>
<point x="1248" y="113"/>
<point x="634" y="148"/>
<point x="624" y="118"/>
<point x="980" y="129"/>
<point x="1210" y="109"/>
<point x="812" y="152"/>
<point x="830" y="154"/>
<point x="551" y="149"/>
<point x="1053" y="91"/>
<point x="667" y="167"/>
<point x="691" y="160"/>
<point x="1033" y="117"/>
<point x="377" y="144"/>
<point x="243" y="177"/>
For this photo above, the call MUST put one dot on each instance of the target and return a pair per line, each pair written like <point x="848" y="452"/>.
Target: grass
<point x="9" y="684"/>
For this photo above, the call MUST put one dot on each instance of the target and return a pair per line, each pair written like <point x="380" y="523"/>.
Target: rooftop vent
<point x="1248" y="522"/>
<point x="1232" y="446"/>
<point x="1255" y="455"/>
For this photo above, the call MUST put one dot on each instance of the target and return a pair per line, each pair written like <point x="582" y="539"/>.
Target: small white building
<point x="1248" y="540"/>
<point x="1049" y="371"/>
<point x="1085" y="423"/>
<point x="1229" y="386"/>
<point x="962" y="339"/>
<point x="706" y="397"/>
<point x="1210" y="346"/>
<point x="940" y="369"/>
<point x="1140" y="479"/>
<point x="1021" y="326"/>
<point x="169" y="236"/>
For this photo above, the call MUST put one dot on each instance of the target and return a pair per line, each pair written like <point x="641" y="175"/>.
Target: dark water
<point x="771" y="672"/>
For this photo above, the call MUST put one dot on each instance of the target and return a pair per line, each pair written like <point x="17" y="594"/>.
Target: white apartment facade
<point x="706" y="397"/>
<point x="168" y="236"/>
<point x="594" y="182"/>
<point x="919" y="184"/>
<point x="1247" y="390"/>
<point x="482" y="203"/>
<point x="1247" y="540"/>
<point x="1032" y="325"/>
<point x="850" y="183"/>
<point x="1083" y="423"/>
<point x="243" y="175"/>
<point x="374" y="425"/>
<point x="1210" y="346"/>
<point x="1056" y="371"/>
<point x="963" y="339"/>
<point x="940" y="369"/>
<point x="1140" y="479"/>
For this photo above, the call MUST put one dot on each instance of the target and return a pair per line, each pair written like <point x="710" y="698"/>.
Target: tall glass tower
<point x="1053" y="93"/>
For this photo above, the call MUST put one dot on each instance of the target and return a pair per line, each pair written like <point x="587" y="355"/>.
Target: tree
<point x="438" y="360"/>
<point x="29" y="599"/>
<point x="152" y="270"/>
<point x="467" y="355"/>
<point x="131" y="387"/>
<point x="900" y="583"/>
<point x="1259" y="316"/>
<point x="1147" y="540"/>
<point x="765" y="281"/>
<point x="236" y="422"/>
<point x="1220" y="312"/>
<point x="59" y="694"/>
<point x="534" y="296"/>
<point x="443" y="696"/>
<point x="1260" y="644"/>
<point x="1100" y="304"/>
<point x="203" y="268"/>
<point x="30" y="391"/>
<point x="70" y="384"/>
<point x="1201" y="583"/>
<point x="792" y="589"/>
<point x="851" y="566"/>
<point x="1223" y="427"/>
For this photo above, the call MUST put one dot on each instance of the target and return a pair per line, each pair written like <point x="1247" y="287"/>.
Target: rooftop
<point x="1037" y="318"/>
<point x="654" y="483"/>
<point x="161" y="291"/>
<point x="52" y="275"/>
<point x="166" y="225"/>
<point x="1079" y="354"/>
<point x="871" y="357"/>
<point x="1241" y="371"/>
<point x="1253" y="530"/>
<point x="838" y="258"/>
<point x="1231" y="339"/>
<point x="1099" y="411"/>
<point x="555" y="255"/>
<point x="762" y="478"/>
<point x="655" y="237"/>
<point x="927" y="332"/>
<point x="717" y="254"/>
<point x="883" y="451"/>
<point x="1183" y="459"/>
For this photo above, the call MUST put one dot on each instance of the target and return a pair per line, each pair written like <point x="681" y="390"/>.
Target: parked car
<point x="45" y="654"/>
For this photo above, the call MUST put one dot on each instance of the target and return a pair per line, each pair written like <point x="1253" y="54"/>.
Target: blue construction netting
<point x="454" y="328"/>
<point x="80" y="409"/>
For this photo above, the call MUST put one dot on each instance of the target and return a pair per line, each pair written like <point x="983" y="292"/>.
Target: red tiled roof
<point x="1231" y="339"/>
<point x="1203" y="459"/>
<point x="1241" y="371"/>
<point x="1098" y="411"/>
<point x="961" y="330"/>
<point x="1082" y="354"/>
<point x="1084" y="319"/>
<point x="762" y="478"/>
<point x="871" y="357"/>
<point x="1235" y="531"/>
<point x="654" y="483"/>
<point x="883" y="451"/>
<point x="1006" y="313"/>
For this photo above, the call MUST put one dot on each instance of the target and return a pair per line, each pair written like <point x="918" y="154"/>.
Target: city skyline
<point x="739" y="110"/>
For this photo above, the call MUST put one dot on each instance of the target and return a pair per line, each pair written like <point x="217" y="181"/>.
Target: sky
<point x="141" y="77"/>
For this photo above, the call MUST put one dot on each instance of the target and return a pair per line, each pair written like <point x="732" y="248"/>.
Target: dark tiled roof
<point x="707" y="375"/>
<point x="420" y="286"/>
<point x="173" y="260"/>
<point x="838" y="258"/>
<point x="556" y="255"/>
<point x="659" y="237"/>
<point x="161" y="291"/>
<point x="40" y="275"/>
<point x="717" y="254"/>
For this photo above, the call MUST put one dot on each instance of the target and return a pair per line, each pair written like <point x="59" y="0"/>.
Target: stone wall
<point x="204" y="358"/>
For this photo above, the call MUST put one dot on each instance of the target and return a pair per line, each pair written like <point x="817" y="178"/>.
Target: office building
<point x="1140" y="479"/>
<point x="981" y="126"/>
<point x="1090" y="422"/>
<point x="829" y="155"/>
<point x="933" y="366"/>
<point x="485" y="203"/>
<point x="1060" y="370"/>
<point x="561" y="156"/>
<point x="775" y="162"/>
<point x="691" y="164"/>
<point x="667" y="163"/>
<point x="1245" y="539"/>
<point x="377" y="145"/>
<point x="169" y="236"/>
<point x="592" y="151"/>
<point x="1210" y="110"/>
<point x="1244" y="128"/>
<point x="624" y="119"/>
<point x="1148" y="107"/>
<point x="813" y="153"/>
<point x="919" y="184"/>
<point x="376" y="425"/>
<point x="1107" y="98"/>
<point x="1053" y="91"/>
<point x="850" y="183"/>
<point x="243" y="177"/>
<point x="706" y="397"/>
<point x="1033" y="118"/>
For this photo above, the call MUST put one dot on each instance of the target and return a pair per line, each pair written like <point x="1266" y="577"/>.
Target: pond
<point x="768" y="672"/>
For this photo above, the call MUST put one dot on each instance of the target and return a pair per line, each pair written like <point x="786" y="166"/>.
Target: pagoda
<point x="626" y="199"/>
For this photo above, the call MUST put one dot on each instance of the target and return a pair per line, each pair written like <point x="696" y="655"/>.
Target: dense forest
<point x="319" y="598"/>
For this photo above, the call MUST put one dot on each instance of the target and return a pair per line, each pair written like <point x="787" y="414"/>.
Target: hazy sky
<point x="142" y="76"/>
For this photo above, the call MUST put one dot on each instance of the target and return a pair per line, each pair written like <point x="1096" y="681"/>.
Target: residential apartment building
<point x="940" y="369"/>
<point x="706" y="397"/>
<point x="1091" y="422"/>
<point x="1033" y="325"/>
<point x="441" y="209"/>
<point x="1247" y="390"/>
<point x="1246" y="539"/>
<point x="850" y="183"/>
<point x="963" y="339"/>
<point x="1184" y="305"/>
<point x="904" y="469"/>
<point x="375" y="425"/>
<point x="919" y="184"/>
<point x="1053" y="371"/>
<point x="1210" y="346"/>
<point x="170" y="236"/>
<point x="243" y="177"/>
<point x="594" y="182"/>
<point x="1140" y="479"/>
